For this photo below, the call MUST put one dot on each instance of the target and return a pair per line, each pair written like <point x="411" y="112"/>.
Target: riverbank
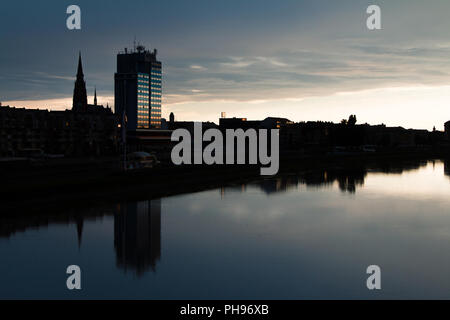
<point x="36" y="185"/>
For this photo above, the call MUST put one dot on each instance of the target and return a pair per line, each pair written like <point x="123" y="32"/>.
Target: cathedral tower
<point x="79" y="92"/>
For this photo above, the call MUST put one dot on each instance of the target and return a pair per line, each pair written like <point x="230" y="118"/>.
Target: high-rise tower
<point x="138" y="89"/>
<point x="79" y="92"/>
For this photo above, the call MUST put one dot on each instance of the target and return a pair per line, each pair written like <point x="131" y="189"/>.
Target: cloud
<point x="64" y="103"/>
<point x="234" y="51"/>
<point x="52" y="76"/>
<point x="197" y="67"/>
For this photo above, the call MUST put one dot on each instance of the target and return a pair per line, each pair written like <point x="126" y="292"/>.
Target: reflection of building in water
<point x="137" y="235"/>
<point x="14" y="222"/>
<point x="447" y="167"/>
<point x="348" y="179"/>
<point x="80" y="222"/>
<point x="281" y="184"/>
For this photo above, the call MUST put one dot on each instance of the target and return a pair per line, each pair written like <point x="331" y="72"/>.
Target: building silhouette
<point x="84" y="130"/>
<point x="138" y="89"/>
<point x="447" y="130"/>
<point x="79" y="92"/>
<point x="80" y="101"/>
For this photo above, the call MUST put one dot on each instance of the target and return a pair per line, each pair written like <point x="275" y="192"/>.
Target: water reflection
<point x="137" y="235"/>
<point x="137" y="225"/>
<point x="349" y="177"/>
<point x="447" y="167"/>
<point x="137" y="230"/>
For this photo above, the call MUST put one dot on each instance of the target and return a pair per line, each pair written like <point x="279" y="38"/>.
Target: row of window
<point x="145" y="120"/>
<point x="145" y="89"/>
<point x="154" y="84"/>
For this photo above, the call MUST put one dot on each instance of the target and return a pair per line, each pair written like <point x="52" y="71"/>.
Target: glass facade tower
<point x="138" y="89"/>
<point x="155" y="95"/>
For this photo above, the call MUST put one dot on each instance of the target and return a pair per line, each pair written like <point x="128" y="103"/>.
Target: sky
<point x="305" y="60"/>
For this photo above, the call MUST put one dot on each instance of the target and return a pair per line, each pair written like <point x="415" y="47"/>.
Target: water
<point x="308" y="236"/>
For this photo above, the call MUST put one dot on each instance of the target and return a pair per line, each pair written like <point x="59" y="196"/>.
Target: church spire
<point x="80" y="67"/>
<point x="79" y="92"/>
<point x="95" y="96"/>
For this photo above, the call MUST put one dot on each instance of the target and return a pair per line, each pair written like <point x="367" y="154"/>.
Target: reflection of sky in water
<point x="246" y="242"/>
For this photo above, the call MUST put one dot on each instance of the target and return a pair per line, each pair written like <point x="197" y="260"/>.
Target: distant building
<point x="138" y="89"/>
<point x="56" y="132"/>
<point x="84" y="130"/>
<point x="80" y="101"/>
<point x="243" y="123"/>
<point x="79" y="92"/>
<point x="238" y="123"/>
<point x="275" y="123"/>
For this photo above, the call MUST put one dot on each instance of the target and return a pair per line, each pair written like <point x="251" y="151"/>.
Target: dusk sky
<point x="304" y="60"/>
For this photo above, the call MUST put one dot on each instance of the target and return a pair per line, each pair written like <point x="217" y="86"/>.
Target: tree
<point x="351" y="120"/>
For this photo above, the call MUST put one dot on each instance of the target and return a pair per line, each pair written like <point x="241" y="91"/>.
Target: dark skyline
<point x="304" y="60"/>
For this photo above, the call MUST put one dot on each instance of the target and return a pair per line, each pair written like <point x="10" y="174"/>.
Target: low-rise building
<point x="57" y="132"/>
